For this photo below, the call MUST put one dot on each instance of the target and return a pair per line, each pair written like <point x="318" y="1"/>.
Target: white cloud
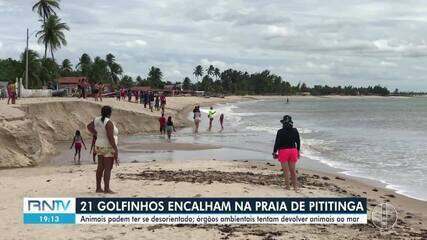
<point x="130" y="44"/>
<point x="135" y="43"/>
<point x="302" y="40"/>
<point x="277" y="31"/>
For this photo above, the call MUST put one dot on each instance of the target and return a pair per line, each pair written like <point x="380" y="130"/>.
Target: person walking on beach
<point x="129" y="93"/>
<point x="221" y="121"/>
<point x="151" y="99"/>
<point x="211" y="115"/>
<point x="117" y="94"/>
<point x="163" y="102"/>
<point x="162" y="123"/>
<point x="100" y="90"/>
<point x="197" y="116"/>
<point x="157" y="103"/>
<point x="106" y="147"/>
<point x="78" y="143"/>
<point x="11" y="92"/>
<point x="169" y="128"/>
<point x="95" y="91"/>
<point x="146" y="99"/>
<point x="123" y="93"/>
<point x="84" y="85"/>
<point x="287" y="150"/>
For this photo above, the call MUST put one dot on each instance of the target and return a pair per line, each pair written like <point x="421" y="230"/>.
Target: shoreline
<point x="412" y="212"/>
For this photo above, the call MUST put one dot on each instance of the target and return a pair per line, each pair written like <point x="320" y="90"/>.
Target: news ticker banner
<point x="195" y="211"/>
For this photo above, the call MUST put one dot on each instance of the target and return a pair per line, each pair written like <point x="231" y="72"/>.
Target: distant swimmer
<point x="221" y="121"/>
<point x="170" y="128"/>
<point x="287" y="150"/>
<point x="211" y="115"/>
<point x="78" y="143"/>
<point x="287" y="100"/>
<point x="197" y="116"/>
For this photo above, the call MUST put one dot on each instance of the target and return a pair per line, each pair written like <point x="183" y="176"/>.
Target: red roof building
<point x="70" y="83"/>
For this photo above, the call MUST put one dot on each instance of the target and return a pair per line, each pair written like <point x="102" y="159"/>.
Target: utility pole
<point x="26" y="62"/>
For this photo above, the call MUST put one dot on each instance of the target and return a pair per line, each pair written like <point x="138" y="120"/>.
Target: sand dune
<point x="30" y="129"/>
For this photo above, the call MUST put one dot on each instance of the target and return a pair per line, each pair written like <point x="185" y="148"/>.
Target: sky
<point x="334" y="42"/>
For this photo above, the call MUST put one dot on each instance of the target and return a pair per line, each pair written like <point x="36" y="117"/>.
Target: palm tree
<point x="198" y="72"/>
<point x="66" y="66"/>
<point x="52" y="34"/>
<point x="211" y="70"/>
<point x="154" y="78"/>
<point x="84" y="64"/>
<point x="99" y="70"/>
<point x="34" y="68"/>
<point x="45" y="8"/>
<point x="114" y="68"/>
<point x="186" y="83"/>
<point x="217" y="73"/>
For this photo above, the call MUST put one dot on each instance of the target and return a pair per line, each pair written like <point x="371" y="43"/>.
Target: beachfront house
<point x="70" y="84"/>
<point x="173" y="89"/>
<point x="140" y="88"/>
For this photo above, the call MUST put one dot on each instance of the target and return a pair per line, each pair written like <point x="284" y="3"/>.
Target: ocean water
<point x="382" y="139"/>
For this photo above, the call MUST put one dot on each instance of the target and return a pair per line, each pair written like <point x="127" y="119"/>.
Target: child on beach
<point x="77" y="143"/>
<point x="221" y="121"/>
<point x="211" y="115"/>
<point x="169" y="128"/>
<point x="162" y="122"/>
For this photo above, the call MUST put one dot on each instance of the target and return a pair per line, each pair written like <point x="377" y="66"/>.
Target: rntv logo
<point x="53" y="205"/>
<point x="49" y="205"/>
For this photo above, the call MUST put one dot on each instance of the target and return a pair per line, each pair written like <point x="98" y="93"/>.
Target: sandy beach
<point x="197" y="179"/>
<point x="31" y="130"/>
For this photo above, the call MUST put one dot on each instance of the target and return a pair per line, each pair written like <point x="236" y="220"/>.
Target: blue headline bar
<point x="221" y="205"/>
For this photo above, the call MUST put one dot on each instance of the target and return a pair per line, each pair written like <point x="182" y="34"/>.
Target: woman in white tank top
<point x="105" y="147"/>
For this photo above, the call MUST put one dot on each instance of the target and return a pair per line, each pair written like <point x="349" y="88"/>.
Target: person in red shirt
<point x="162" y="122"/>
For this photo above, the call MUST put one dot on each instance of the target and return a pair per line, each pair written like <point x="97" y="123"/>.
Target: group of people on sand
<point x="105" y="139"/>
<point x="197" y="117"/>
<point x="152" y="100"/>
<point x="95" y="89"/>
<point x="9" y="93"/>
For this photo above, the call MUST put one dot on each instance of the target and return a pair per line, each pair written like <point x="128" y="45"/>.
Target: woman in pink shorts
<point x="286" y="150"/>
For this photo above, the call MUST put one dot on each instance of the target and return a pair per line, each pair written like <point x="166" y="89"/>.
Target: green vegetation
<point x="52" y="35"/>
